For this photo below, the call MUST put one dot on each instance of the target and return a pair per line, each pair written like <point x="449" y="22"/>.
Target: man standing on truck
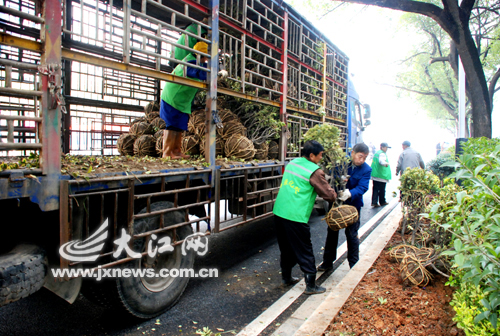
<point x="410" y="158"/>
<point x="302" y="181"/>
<point x="176" y="101"/>
<point x="179" y="53"/>
<point x="359" y="174"/>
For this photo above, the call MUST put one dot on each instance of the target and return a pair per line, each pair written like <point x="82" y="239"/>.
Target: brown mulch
<point x="381" y="305"/>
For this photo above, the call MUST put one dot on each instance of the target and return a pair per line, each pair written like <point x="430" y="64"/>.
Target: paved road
<point x="248" y="283"/>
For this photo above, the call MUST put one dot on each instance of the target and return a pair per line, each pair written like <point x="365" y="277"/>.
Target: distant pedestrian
<point x="381" y="174"/>
<point x="302" y="181"/>
<point x="410" y="158"/>
<point x="438" y="148"/>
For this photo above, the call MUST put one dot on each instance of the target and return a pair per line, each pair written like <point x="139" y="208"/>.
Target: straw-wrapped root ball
<point x="125" y="144"/>
<point x="196" y="123"/>
<point x="159" y="145"/>
<point x="233" y="127"/>
<point x="158" y="123"/>
<point x="219" y="147"/>
<point x="159" y="134"/>
<point x="190" y="145"/>
<point x="152" y="111"/>
<point x="240" y="147"/>
<point x="341" y="217"/>
<point x="141" y="128"/>
<point x="261" y="151"/>
<point x="226" y="115"/>
<point x="274" y="150"/>
<point x="145" y="145"/>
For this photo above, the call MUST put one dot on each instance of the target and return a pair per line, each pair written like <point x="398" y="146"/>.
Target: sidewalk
<point x="314" y="315"/>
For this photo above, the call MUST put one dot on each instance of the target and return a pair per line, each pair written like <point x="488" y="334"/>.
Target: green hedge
<point x="472" y="217"/>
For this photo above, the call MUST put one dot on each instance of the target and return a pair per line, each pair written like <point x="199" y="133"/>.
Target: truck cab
<point x="357" y="117"/>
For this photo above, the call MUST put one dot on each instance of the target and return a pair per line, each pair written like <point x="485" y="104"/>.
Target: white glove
<point x="343" y="195"/>
<point x="223" y="73"/>
<point x="344" y="178"/>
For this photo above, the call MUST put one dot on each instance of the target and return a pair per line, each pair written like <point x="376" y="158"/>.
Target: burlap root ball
<point x="159" y="146"/>
<point x="145" y="145"/>
<point x="141" y="128"/>
<point x="138" y="120"/>
<point x="196" y="123"/>
<point x="190" y="144"/>
<point x="125" y="144"/>
<point x="274" y="150"/>
<point x="159" y="134"/>
<point x="262" y="151"/>
<point x="341" y="217"/>
<point x="219" y="146"/>
<point x="152" y="111"/>
<point x="158" y="123"/>
<point x="412" y="272"/>
<point x="240" y="147"/>
<point x="231" y="128"/>
<point x="226" y="115"/>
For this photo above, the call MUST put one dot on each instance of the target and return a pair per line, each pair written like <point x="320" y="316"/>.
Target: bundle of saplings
<point x="246" y="132"/>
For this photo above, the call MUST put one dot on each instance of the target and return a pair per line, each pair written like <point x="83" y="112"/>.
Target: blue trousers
<point x="332" y="240"/>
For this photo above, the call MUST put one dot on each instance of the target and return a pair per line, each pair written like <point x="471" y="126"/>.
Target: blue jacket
<point x="358" y="183"/>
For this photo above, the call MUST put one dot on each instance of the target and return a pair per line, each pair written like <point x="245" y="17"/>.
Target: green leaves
<point x="472" y="216"/>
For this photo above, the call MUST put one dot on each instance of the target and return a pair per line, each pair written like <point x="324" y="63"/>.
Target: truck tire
<point x="145" y="297"/>
<point x="22" y="273"/>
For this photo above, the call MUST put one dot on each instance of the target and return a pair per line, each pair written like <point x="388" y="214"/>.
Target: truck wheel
<point x="22" y="273"/>
<point x="146" y="297"/>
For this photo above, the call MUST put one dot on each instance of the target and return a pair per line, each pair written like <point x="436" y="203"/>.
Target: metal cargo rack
<point x="114" y="57"/>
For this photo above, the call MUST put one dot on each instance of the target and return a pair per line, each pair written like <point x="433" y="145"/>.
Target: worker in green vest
<point x="381" y="175"/>
<point x="179" y="53"/>
<point x="302" y="181"/>
<point x="176" y="102"/>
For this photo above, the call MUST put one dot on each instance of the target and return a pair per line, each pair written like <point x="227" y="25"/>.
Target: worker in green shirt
<point x="381" y="175"/>
<point x="176" y="102"/>
<point x="302" y="181"/>
<point x="179" y="53"/>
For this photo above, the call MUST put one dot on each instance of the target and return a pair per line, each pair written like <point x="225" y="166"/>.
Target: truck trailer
<point x="76" y="73"/>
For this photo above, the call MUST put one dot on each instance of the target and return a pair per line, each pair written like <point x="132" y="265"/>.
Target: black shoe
<point x="323" y="267"/>
<point x="383" y="204"/>
<point x="290" y="281"/>
<point x="287" y="279"/>
<point x="375" y="205"/>
<point x="311" y="287"/>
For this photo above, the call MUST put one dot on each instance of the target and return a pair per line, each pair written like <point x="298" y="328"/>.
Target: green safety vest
<point x="296" y="197"/>
<point x="177" y="95"/>
<point x="378" y="170"/>
<point x="180" y="53"/>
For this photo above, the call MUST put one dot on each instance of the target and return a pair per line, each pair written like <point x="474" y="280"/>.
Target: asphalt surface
<point x="249" y="282"/>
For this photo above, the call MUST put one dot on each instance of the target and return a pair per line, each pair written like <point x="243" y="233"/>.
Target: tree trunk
<point x="454" y="19"/>
<point x="458" y="29"/>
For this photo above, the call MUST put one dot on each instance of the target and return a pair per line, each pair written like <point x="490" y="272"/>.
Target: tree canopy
<point x="455" y="20"/>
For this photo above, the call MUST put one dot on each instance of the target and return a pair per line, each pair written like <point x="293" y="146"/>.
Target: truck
<point x="76" y="73"/>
